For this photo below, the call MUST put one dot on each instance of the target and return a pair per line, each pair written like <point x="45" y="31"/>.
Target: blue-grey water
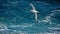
<point x="16" y="17"/>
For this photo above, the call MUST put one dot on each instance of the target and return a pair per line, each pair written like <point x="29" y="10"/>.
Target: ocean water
<point x="16" y="17"/>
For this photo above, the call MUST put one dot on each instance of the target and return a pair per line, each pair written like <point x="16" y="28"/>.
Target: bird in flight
<point x="34" y="11"/>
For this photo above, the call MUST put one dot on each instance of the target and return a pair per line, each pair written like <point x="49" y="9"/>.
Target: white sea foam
<point x="21" y="26"/>
<point x="3" y="27"/>
<point x="54" y="28"/>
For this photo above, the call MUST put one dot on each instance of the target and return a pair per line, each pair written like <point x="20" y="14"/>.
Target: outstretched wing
<point x="32" y="6"/>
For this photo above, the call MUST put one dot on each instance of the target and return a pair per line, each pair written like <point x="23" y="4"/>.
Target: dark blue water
<point x="16" y="17"/>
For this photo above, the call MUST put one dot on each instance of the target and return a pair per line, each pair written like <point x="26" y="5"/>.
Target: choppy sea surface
<point x="16" y="17"/>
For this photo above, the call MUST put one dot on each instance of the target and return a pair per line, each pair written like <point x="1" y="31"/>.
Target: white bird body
<point x="34" y="11"/>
